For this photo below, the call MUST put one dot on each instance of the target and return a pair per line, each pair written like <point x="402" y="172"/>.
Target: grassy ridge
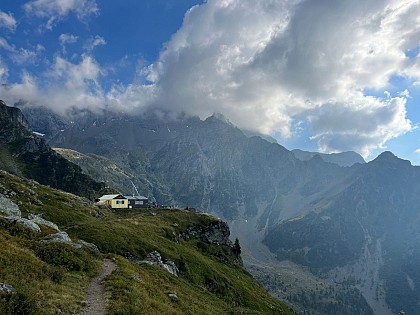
<point x="53" y="277"/>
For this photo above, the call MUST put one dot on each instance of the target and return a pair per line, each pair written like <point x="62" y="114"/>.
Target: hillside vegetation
<point x="51" y="278"/>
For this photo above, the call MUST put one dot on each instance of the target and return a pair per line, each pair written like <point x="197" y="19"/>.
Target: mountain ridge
<point x="269" y="197"/>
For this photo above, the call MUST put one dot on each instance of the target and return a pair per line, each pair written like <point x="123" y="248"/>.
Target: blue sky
<point x="315" y="74"/>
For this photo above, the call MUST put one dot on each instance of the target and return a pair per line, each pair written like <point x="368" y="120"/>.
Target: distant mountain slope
<point x="103" y="170"/>
<point x="334" y="220"/>
<point x="25" y="154"/>
<point x="206" y="164"/>
<point x="367" y="235"/>
<point x="343" y="159"/>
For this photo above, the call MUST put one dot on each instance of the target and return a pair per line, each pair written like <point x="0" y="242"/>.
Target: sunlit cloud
<point x="55" y="10"/>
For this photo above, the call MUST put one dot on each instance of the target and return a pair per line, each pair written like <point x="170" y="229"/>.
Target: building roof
<point x="110" y="197"/>
<point x="136" y="197"/>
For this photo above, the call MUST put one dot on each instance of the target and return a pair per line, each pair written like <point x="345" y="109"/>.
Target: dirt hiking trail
<point x="95" y="301"/>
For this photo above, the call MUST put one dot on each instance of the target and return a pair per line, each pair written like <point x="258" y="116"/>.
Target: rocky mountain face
<point x="343" y="159"/>
<point x="351" y="228"/>
<point x="366" y="236"/>
<point x="24" y="153"/>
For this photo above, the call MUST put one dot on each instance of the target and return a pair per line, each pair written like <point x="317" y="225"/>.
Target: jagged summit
<point x="348" y="158"/>
<point x="389" y="157"/>
<point x="12" y="115"/>
<point x="219" y="117"/>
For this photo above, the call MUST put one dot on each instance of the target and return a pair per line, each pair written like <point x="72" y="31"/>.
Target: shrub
<point x="64" y="255"/>
<point x="17" y="304"/>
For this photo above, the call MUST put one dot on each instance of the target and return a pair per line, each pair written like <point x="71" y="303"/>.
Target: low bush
<point x="64" y="255"/>
<point x="17" y="304"/>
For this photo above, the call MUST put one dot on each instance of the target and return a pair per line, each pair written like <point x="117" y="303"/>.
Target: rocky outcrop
<point x="90" y="246"/>
<point x="38" y="219"/>
<point x="14" y="116"/>
<point x="8" y="207"/>
<point x="33" y="223"/>
<point x="28" y="155"/>
<point x="215" y="233"/>
<point x="24" y="222"/>
<point x="154" y="258"/>
<point x="60" y="237"/>
<point x="63" y="237"/>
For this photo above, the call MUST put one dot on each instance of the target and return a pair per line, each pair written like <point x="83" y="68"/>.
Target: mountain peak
<point x="220" y="117"/>
<point x="389" y="157"/>
<point x="386" y="156"/>
<point x="12" y="122"/>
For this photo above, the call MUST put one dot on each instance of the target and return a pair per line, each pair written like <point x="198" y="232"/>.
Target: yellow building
<point x="114" y="201"/>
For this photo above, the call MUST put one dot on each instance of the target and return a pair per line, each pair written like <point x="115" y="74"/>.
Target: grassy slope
<point x="206" y="285"/>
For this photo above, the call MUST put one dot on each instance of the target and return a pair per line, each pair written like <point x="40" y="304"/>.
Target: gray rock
<point x="8" y="207"/>
<point x="173" y="296"/>
<point x="24" y="222"/>
<point x="170" y="266"/>
<point x="90" y="246"/>
<point x="39" y="220"/>
<point x="154" y="258"/>
<point x="6" y="288"/>
<point x="60" y="237"/>
<point x="136" y="277"/>
<point x="216" y="232"/>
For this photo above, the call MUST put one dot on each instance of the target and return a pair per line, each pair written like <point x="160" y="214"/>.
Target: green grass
<point x="49" y="277"/>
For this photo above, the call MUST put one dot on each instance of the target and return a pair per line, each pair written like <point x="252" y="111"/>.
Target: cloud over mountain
<point x="270" y="66"/>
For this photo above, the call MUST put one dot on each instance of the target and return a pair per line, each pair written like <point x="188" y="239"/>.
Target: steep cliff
<point x="24" y="153"/>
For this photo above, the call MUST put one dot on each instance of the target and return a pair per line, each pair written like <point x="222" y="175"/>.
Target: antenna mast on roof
<point x="135" y="188"/>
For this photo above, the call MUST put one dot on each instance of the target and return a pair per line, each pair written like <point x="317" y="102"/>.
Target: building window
<point x="139" y="202"/>
<point x="120" y="202"/>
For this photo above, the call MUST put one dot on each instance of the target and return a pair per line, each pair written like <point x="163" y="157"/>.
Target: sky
<point x="318" y="75"/>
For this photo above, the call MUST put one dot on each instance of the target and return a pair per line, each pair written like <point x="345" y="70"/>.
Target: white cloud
<point x="67" y="39"/>
<point x="5" y="45"/>
<point x="24" y="56"/>
<point x="7" y="21"/>
<point x="66" y="85"/>
<point x="362" y="123"/>
<point x="4" y="72"/>
<point x="417" y="151"/>
<point x="93" y="42"/>
<point x="55" y="10"/>
<point x="268" y="65"/>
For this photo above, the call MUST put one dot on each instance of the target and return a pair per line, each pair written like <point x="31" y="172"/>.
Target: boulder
<point x="8" y="207"/>
<point x="40" y="220"/>
<point x="90" y="246"/>
<point x="6" y="288"/>
<point x="24" y="222"/>
<point x="173" y="296"/>
<point x="60" y="237"/>
<point x="154" y="258"/>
